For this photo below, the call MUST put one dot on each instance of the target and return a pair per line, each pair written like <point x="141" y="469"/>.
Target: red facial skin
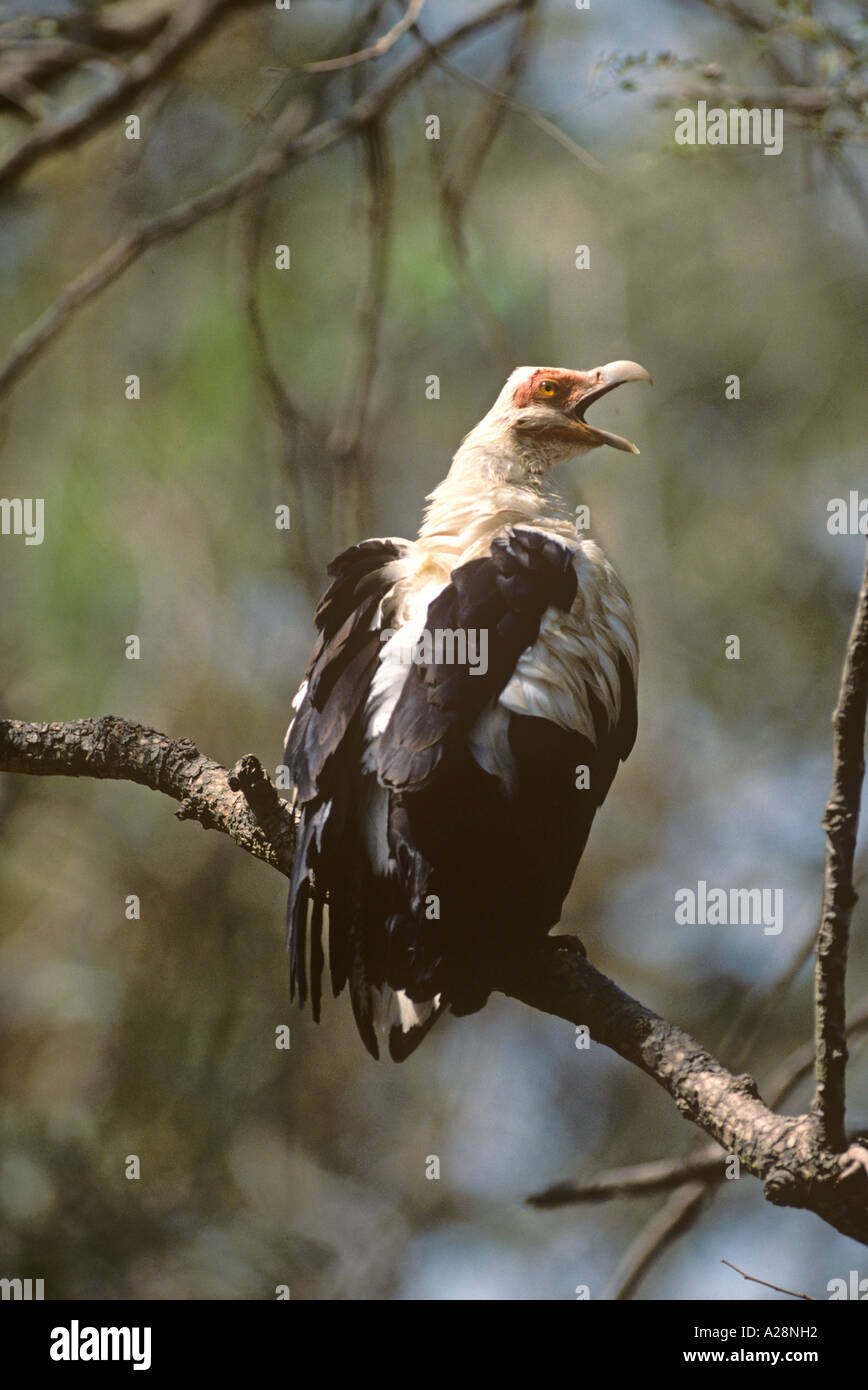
<point x="567" y="384"/>
<point x="569" y="394"/>
<point x="570" y="387"/>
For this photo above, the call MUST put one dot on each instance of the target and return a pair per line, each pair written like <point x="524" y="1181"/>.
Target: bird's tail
<point x="357" y="937"/>
<point x="400" y="1018"/>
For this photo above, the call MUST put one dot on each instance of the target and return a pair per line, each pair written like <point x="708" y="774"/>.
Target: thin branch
<point x="530" y="113"/>
<point x="635" y="1181"/>
<point x="841" y="823"/>
<point x="765" y="1283"/>
<point x="375" y="50"/>
<point x="29" y="57"/>
<point x="673" y="1220"/>
<point x="800" y="1063"/>
<point x="803" y="100"/>
<point x="304" y="444"/>
<point x="852" y="97"/>
<point x="356" y="32"/>
<point x="188" y="26"/>
<point x="758" y="1007"/>
<point x="346" y="439"/>
<point x="295" y="427"/>
<point x="460" y="179"/>
<point x="29" y="345"/>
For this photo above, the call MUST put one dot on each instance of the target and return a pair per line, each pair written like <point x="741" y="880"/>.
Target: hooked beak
<point x="597" y="383"/>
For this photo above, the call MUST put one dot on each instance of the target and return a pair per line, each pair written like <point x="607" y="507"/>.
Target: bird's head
<point x="549" y="404"/>
<point x="539" y="417"/>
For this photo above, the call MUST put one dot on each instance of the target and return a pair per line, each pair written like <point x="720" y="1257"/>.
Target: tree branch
<point x="765" y="31"/>
<point x="807" y="101"/>
<point x="269" y="165"/>
<point x="29" y="56"/>
<point x="784" y="1151"/>
<point x="237" y="803"/>
<point x="189" y="25"/>
<point x="706" y="1165"/>
<point x="841" y="823"/>
<point x="634" y="1181"/>
<point x="787" y="1152"/>
<point x="375" y="50"/>
<point x="345" y="442"/>
<point x="765" y="1283"/>
<point x="673" y="1220"/>
<point x="459" y="179"/>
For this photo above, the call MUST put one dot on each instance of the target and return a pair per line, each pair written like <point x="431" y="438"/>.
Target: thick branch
<point x="782" y="1150"/>
<point x="554" y="976"/>
<point x="707" y="1165"/>
<point x="236" y="803"/>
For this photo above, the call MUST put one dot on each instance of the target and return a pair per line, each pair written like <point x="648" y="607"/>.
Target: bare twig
<point x="374" y="50"/>
<point x="765" y="1283"/>
<point x="295" y="428"/>
<point x="635" y="1181"/>
<point x="268" y="166"/>
<point x="189" y="25"/>
<point x="530" y="113"/>
<point x="665" y="1226"/>
<point x="346" y="440"/>
<point x="809" y="101"/>
<point x="460" y="179"/>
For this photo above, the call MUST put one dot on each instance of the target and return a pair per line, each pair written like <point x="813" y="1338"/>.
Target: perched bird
<point x="466" y="705"/>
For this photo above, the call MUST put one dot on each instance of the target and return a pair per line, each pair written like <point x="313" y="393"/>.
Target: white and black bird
<point x="458" y="683"/>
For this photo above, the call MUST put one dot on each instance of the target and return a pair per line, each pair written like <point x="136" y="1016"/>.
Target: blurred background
<point x="413" y="257"/>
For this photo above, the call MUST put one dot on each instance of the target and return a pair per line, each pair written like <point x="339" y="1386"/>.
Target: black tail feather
<point x="360" y="994"/>
<point x="316" y="955"/>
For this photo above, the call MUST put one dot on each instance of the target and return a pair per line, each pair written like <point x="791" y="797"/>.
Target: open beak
<point x="597" y="383"/>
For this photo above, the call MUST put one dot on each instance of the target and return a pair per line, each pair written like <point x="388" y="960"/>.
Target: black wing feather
<point x="322" y="753"/>
<point x="505" y="594"/>
<point x="498" y="864"/>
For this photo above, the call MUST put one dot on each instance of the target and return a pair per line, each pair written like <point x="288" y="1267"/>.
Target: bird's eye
<point x="547" y="388"/>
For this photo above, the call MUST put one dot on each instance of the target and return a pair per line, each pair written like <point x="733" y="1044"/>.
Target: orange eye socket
<point x="547" y="388"/>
